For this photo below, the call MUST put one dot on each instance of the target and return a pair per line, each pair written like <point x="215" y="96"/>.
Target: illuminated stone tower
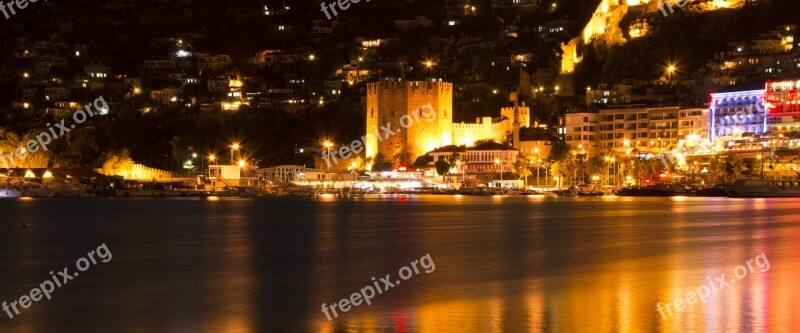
<point x="389" y="100"/>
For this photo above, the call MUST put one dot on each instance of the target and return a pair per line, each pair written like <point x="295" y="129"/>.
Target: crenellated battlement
<point x="416" y="87"/>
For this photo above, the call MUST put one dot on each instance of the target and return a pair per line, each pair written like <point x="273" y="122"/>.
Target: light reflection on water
<point x="503" y="264"/>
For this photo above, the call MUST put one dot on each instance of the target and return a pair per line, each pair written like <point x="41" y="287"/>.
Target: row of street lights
<point x="213" y="158"/>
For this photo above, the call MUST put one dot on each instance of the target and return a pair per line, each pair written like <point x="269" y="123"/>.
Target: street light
<point x="500" y="166"/>
<point x="428" y="66"/>
<point x="671" y="69"/>
<point x="242" y="164"/>
<point x="538" y="164"/>
<point x="328" y="146"/>
<point x="211" y="158"/>
<point x="234" y="146"/>
<point x="458" y="166"/>
<point x="616" y="170"/>
<point x="760" y="160"/>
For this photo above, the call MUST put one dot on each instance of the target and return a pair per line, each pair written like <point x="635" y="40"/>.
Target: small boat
<point x="475" y="191"/>
<point x="759" y="188"/>
<point x="647" y="191"/>
<point x="570" y="192"/>
<point x="9" y="194"/>
<point x="716" y="191"/>
<point x="37" y="191"/>
<point x="594" y="191"/>
<point x="591" y="193"/>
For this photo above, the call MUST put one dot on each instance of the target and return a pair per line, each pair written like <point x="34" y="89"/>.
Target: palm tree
<point x="523" y="170"/>
<point x="737" y="164"/>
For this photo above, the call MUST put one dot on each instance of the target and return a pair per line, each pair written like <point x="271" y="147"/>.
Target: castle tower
<point x="518" y="115"/>
<point x="395" y="100"/>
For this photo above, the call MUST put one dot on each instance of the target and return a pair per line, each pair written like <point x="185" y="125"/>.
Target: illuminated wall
<point x="389" y="100"/>
<point x="604" y="23"/>
<point x="483" y="129"/>
<point x="522" y="113"/>
<point x="737" y="112"/>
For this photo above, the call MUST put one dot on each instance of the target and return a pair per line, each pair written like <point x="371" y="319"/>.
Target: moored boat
<point x="9" y="194"/>
<point x="647" y="191"/>
<point x="759" y="188"/>
<point x="715" y="191"/>
<point x="37" y="191"/>
<point x="570" y="192"/>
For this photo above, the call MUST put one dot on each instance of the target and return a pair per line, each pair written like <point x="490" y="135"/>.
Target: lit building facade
<point x="581" y="130"/>
<point x="732" y="114"/>
<point x="783" y="106"/>
<point x="693" y="126"/>
<point x="491" y="157"/>
<point x="390" y="100"/>
<point x="629" y="129"/>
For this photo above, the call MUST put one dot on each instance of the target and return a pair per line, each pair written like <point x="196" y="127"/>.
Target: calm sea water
<point x="502" y="264"/>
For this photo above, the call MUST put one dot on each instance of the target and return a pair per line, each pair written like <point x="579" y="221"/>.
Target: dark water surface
<point x="502" y="264"/>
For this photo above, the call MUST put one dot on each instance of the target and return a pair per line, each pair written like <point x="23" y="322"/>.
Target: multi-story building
<point x="418" y="22"/>
<point x="603" y="94"/>
<point x="55" y="93"/>
<point x="97" y="71"/>
<point x="159" y="64"/>
<point x="735" y="112"/>
<point x="693" y="125"/>
<point x="581" y="131"/>
<point x="663" y="129"/>
<point x="491" y="157"/>
<point x="783" y="106"/>
<point x="623" y="129"/>
<point x="212" y="62"/>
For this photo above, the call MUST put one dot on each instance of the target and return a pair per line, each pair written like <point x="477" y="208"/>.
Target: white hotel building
<point x="635" y="128"/>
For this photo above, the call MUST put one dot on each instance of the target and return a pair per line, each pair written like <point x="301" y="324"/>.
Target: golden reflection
<point x="534" y="301"/>
<point x="613" y="290"/>
<point x="496" y="315"/>
<point x="327" y="197"/>
<point x="230" y="289"/>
